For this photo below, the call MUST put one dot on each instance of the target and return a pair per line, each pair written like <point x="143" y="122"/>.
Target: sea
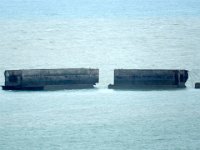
<point x="108" y="35"/>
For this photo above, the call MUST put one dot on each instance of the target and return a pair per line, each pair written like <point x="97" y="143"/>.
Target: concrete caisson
<point x="148" y="78"/>
<point x="197" y="85"/>
<point x="39" y="79"/>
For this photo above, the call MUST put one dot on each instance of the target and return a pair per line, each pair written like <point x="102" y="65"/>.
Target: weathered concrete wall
<point x="137" y="77"/>
<point x="13" y="77"/>
<point x="143" y="77"/>
<point x="44" y="77"/>
<point x="197" y="85"/>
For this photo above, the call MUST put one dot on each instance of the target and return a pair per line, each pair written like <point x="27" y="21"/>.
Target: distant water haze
<point x="29" y="9"/>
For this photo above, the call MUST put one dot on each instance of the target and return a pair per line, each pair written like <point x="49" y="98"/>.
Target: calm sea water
<point x="104" y="35"/>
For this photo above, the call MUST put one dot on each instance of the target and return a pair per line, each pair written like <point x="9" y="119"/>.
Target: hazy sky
<point x="97" y="8"/>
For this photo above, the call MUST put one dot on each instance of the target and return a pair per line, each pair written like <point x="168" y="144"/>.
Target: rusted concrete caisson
<point x="154" y="78"/>
<point x="47" y="79"/>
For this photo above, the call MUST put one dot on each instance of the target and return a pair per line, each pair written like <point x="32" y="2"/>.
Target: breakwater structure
<point x="197" y="85"/>
<point x="148" y="78"/>
<point x="50" y="79"/>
